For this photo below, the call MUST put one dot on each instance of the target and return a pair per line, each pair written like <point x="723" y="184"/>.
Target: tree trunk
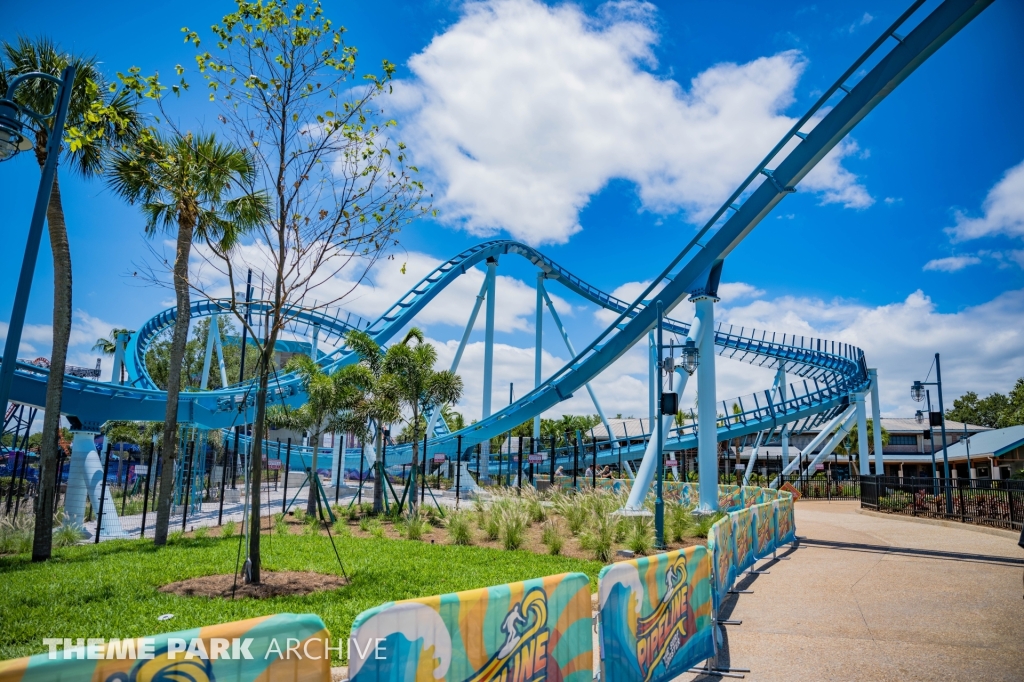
<point x="378" y="472"/>
<point x="168" y="450"/>
<point x="42" y="540"/>
<point x="256" y="463"/>
<point x="313" y="492"/>
<point x="414" y="479"/>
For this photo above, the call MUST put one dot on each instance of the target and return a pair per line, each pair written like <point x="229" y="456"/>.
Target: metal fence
<point x="985" y="502"/>
<point x="823" y="489"/>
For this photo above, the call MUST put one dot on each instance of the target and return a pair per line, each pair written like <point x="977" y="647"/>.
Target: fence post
<point x="963" y="510"/>
<point x="552" y="466"/>
<point x="103" y="495"/>
<point x="458" y="469"/>
<point x="145" y="493"/>
<point x="287" y="470"/>
<point x="1009" y="496"/>
<point x="191" y="448"/>
<point x="575" y="462"/>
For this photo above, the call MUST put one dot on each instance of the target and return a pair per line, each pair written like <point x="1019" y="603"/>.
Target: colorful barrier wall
<point x="655" y="615"/>
<point x="218" y="652"/>
<point x="785" y="523"/>
<point x="722" y="549"/>
<point x="743" y="539"/>
<point x="539" y="629"/>
<point x="763" y="526"/>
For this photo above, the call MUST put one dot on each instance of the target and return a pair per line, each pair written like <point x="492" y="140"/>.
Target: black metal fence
<point x="823" y="489"/>
<point x="985" y="502"/>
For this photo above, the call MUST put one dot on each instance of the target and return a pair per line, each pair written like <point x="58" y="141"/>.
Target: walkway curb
<point x="1012" y="534"/>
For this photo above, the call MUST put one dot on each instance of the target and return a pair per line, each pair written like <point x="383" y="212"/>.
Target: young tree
<point x="420" y="387"/>
<point x="195" y="187"/>
<point x="372" y="402"/>
<point x="97" y="121"/>
<point x="340" y="187"/>
<point x="326" y="396"/>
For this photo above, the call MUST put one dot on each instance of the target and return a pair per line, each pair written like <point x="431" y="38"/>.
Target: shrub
<point x="68" y="534"/>
<point x="414" y="527"/>
<point x="228" y="529"/>
<point x="459" y="529"/>
<point x="377" y="529"/>
<point x="640" y="534"/>
<point x="572" y="508"/>
<point x="201" y="533"/>
<point x="352" y="513"/>
<point x="513" y="522"/>
<point x="492" y="525"/>
<point x="16" y="534"/>
<point x="299" y="514"/>
<point x="175" y="537"/>
<point x="682" y="522"/>
<point x="705" y="521"/>
<point x="311" y="526"/>
<point x="280" y="525"/>
<point x="551" y="536"/>
<point x="341" y="528"/>
<point x="364" y="524"/>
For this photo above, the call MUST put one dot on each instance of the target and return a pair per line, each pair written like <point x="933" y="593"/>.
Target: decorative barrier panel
<point x="730" y="497"/>
<point x="655" y="616"/>
<point x="723" y="550"/>
<point x="785" y="522"/>
<point x="286" y="646"/>
<point x="743" y="539"/>
<point x="539" y="629"/>
<point x="764" y="529"/>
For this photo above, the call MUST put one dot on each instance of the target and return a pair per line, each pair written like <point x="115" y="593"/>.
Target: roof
<point x="898" y="424"/>
<point x="992" y="443"/>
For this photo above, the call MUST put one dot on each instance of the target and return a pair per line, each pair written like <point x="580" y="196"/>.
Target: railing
<point x="984" y="502"/>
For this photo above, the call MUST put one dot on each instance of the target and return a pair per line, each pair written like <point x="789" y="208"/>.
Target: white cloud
<point x="1003" y="210"/>
<point x="982" y="346"/>
<point x="731" y="291"/>
<point x="523" y="111"/>
<point x="37" y="339"/>
<point x="951" y="263"/>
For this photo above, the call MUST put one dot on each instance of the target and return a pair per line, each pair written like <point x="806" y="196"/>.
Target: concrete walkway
<point x="867" y="598"/>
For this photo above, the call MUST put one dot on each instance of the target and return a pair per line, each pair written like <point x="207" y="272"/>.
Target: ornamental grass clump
<point x="640" y="534"/>
<point x="573" y="509"/>
<point x="228" y="529"/>
<point x="414" y="527"/>
<point x="68" y="534"/>
<point x="16" y="534"/>
<point x="682" y="522"/>
<point x="459" y="528"/>
<point x="551" y="536"/>
<point x="705" y="521"/>
<point x="513" y="521"/>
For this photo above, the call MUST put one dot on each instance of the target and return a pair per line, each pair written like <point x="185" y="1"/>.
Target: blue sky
<point x="908" y="241"/>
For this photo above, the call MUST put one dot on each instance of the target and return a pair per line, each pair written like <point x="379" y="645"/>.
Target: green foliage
<point x="551" y="536"/>
<point x="340" y="527"/>
<point x="16" y="534"/>
<point x="201" y="533"/>
<point x="459" y="528"/>
<point x="68" y="534"/>
<point x="995" y="410"/>
<point x="705" y="521"/>
<point x="175" y="537"/>
<point x="280" y="525"/>
<point x="299" y="514"/>
<point x="112" y="589"/>
<point x="228" y="529"/>
<point x="158" y="356"/>
<point x="681" y="522"/>
<point x="513" y="521"/>
<point x="414" y="527"/>
<point x="640" y="534"/>
<point x="571" y="507"/>
<point x="364" y="524"/>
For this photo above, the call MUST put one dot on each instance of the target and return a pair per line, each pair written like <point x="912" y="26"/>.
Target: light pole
<point x="917" y="393"/>
<point x="12" y="141"/>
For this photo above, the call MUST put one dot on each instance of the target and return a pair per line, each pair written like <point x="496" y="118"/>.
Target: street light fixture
<point x="917" y="392"/>
<point x="689" y="357"/>
<point x="11" y="142"/>
<point x="919" y="417"/>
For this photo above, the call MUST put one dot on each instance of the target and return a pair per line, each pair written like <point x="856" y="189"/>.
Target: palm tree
<point x="849" y="445"/>
<point x="108" y="345"/>
<point x="372" y="403"/>
<point x="326" y="396"/>
<point x="102" y="120"/>
<point x="184" y="183"/>
<point x="419" y="387"/>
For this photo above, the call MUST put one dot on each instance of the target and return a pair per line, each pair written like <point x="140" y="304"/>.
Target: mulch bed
<point x="276" y="584"/>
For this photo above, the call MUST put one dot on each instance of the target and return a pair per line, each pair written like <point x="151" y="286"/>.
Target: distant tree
<point x="995" y="410"/>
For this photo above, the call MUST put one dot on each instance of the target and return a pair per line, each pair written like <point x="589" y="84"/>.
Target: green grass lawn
<point x="110" y="590"/>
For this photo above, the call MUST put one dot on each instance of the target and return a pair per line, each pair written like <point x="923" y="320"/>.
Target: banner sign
<point x="439" y="459"/>
<point x="785" y="523"/>
<point x="743" y="539"/>
<point x="789" y="488"/>
<point x="539" y="629"/>
<point x="730" y="497"/>
<point x="274" y="465"/>
<point x="536" y="459"/>
<point x="720" y="544"/>
<point x="764" y="528"/>
<point x="285" y="646"/>
<point x="655" y="616"/>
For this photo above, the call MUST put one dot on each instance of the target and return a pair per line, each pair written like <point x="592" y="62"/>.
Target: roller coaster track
<point x="831" y="371"/>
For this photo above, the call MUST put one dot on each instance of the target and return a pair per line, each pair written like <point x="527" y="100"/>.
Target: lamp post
<point x="917" y="393"/>
<point x="12" y="141"/>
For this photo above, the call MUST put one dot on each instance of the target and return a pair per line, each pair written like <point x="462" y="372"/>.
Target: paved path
<point x="866" y="598"/>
